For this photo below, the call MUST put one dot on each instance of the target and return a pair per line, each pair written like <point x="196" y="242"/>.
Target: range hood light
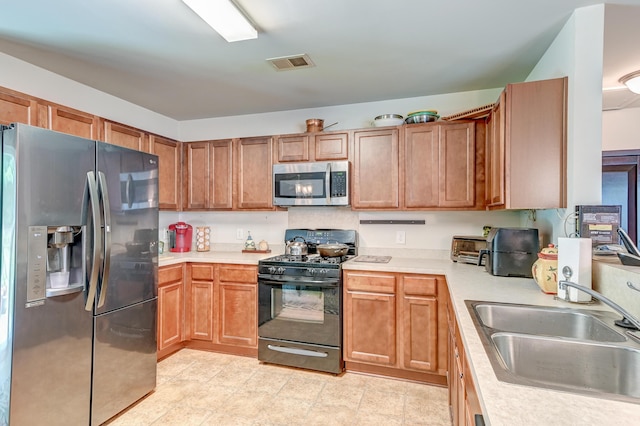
<point x="224" y="17"/>
<point x="632" y="81"/>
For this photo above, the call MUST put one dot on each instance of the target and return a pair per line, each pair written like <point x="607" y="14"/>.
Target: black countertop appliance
<point x="511" y="252"/>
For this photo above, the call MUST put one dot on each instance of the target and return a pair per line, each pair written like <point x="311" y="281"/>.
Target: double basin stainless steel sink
<point x="573" y="350"/>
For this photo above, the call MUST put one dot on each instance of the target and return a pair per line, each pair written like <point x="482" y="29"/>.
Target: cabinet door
<point x="17" y="108"/>
<point x="197" y="175"/>
<point x="201" y="310"/>
<point x="253" y="174"/>
<point x="170" y="313"/>
<point x="421" y="166"/>
<point x="331" y="146"/>
<point x="419" y="322"/>
<point x="221" y="182"/>
<point x="293" y="148"/>
<point x="495" y="155"/>
<point x="237" y="314"/>
<point x="457" y="175"/>
<point x="375" y="183"/>
<point x="67" y="120"/>
<point x="535" y="163"/>
<point x="420" y="333"/>
<point x="370" y="327"/>
<point x="237" y="305"/>
<point x="125" y="136"/>
<point x="169" y="171"/>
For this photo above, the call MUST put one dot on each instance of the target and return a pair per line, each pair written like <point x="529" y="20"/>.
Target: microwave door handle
<point x="327" y="184"/>
<point x="97" y="241"/>
<point x="129" y="191"/>
<point x="106" y="261"/>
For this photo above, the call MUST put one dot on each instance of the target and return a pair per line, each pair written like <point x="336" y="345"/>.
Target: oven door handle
<point x="298" y="351"/>
<point x="306" y="283"/>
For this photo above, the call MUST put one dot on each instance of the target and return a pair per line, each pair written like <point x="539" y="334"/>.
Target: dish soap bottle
<point x="249" y="244"/>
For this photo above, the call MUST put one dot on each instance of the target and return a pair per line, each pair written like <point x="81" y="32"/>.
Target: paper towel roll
<point x="576" y="254"/>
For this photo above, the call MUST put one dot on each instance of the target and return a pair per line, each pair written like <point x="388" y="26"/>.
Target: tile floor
<point x="206" y="388"/>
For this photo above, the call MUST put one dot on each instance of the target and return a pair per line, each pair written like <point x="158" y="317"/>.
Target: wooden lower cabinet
<point x="464" y="404"/>
<point x="170" y="334"/>
<point x="394" y="324"/>
<point x="222" y="308"/>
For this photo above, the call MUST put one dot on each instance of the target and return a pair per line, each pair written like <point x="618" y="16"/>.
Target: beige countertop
<point x="502" y="403"/>
<point x="505" y="403"/>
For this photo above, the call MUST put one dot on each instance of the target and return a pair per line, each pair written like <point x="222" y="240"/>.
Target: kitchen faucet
<point x="628" y="320"/>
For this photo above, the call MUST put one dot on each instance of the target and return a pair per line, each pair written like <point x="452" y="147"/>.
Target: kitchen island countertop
<point x="505" y="403"/>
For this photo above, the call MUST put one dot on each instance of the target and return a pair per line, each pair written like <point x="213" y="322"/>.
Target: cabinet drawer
<point x="202" y="272"/>
<point x="168" y="274"/>
<point x="378" y="283"/>
<point x="239" y="274"/>
<point x="420" y="286"/>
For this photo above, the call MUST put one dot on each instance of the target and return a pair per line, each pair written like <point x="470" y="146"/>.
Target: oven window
<point x="301" y="313"/>
<point x="298" y="305"/>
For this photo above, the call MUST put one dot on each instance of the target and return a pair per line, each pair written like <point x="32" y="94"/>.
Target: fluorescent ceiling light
<point x="225" y="18"/>
<point x="632" y="81"/>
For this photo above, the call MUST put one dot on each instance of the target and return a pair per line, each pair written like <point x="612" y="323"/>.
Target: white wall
<point x="26" y="78"/>
<point x="577" y="53"/>
<point x="353" y="116"/>
<point x="621" y="129"/>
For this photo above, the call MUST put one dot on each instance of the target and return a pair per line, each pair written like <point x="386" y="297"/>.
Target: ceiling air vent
<point x="291" y="62"/>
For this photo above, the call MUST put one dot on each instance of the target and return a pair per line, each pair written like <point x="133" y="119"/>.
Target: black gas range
<point x="300" y="303"/>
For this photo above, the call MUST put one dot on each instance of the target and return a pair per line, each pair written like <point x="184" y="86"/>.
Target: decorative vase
<point x="545" y="269"/>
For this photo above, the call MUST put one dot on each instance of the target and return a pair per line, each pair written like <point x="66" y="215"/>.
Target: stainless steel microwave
<point x="311" y="184"/>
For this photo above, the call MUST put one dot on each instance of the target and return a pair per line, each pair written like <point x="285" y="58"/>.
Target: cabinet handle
<point x="461" y="375"/>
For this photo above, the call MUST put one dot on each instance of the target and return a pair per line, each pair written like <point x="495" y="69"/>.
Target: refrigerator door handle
<point x="97" y="240"/>
<point x="106" y="260"/>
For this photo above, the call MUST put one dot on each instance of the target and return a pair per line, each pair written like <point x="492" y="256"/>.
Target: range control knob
<point x="280" y="270"/>
<point x="272" y="269"/>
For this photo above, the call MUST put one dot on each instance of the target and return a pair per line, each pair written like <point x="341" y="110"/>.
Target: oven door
<point x="300" y="311"/>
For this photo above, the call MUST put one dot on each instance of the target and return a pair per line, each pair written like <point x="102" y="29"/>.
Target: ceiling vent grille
<point x="291" y="62"/>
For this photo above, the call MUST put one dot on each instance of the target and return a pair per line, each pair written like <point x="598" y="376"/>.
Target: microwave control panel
<point x="339" y="184"/>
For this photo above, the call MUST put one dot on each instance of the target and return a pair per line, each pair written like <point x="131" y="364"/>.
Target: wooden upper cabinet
<point x="439" y="165"/>
<point x="376" y="170"/>
<point x="312" y="147"/>
<point x="252" y="172"/>
<point x="169" y="154"/>
<point x="331" y="146"/>
<point x="494" y="165"/>
<point x="457" y="165"/>
<point x="421" y="166"/>
<point x="125" y="136"/>
<point x="293" y="148"/>
<point x="67" y="120"/>
<point x="197" y="181"/>
<point x="221" y="173"/>
<point x="17" y="108"/>
<point x="532" y="144"/>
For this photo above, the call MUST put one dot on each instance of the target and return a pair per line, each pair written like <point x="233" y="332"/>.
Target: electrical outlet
<point x="239" y="234"/>
<point x="400" y="237"/>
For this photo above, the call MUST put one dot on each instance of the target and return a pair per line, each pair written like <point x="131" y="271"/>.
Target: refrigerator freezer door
<point x="51" y="339"/>
<point x="124" y="359"/>
<point x="133" y="234"/>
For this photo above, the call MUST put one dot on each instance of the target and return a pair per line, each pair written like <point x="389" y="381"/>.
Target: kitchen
<point x="430" y="240"/>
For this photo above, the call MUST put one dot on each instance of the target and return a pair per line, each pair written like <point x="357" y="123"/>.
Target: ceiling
<point x="158" y="54"/>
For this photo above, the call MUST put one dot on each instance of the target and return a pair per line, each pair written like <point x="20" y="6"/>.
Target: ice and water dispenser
<point x="55" y="262"/>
